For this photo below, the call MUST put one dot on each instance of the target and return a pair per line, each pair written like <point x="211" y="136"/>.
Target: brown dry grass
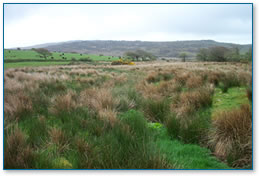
<point x="231" y="136"/>
<point x="17" y="104"/>
<point x="64" y="103"/>
<point x="98" y="99"/>
<point x="17" y="154"/>
<point x="194" y="81"/>
<point x="191" y="101"/>
<point x="149" y="90"/>
<point x="109" y="116"/>
<point x="58" y="137"/>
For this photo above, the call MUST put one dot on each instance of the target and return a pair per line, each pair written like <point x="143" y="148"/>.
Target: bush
<point x="231" y="136"/>
<point x="86" y="59"/>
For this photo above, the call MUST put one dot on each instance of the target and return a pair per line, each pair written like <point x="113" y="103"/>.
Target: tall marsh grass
<point x="231" y="136"/>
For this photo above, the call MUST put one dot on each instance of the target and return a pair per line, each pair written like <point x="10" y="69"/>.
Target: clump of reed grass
<point x="149" y="91"/>
<point x="108" y="116"/>
<point x="231" y="136"/>
<point x="58" y="137"/>
<point x="182" y="77"/>
<point x="16" y="105"/>
<point x="194" y="100"/>
<point x="189" y="128"/>
<point x="160" y="76"/>
<point x="98" y="99"/>
<point x="64" y="103"/>
<point x="17" y="153"/>
<point x="157" y="110"/>
<point x="194" y="81"/>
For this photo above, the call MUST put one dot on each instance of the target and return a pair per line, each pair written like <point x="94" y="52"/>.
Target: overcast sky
<point x="30" y="24"/>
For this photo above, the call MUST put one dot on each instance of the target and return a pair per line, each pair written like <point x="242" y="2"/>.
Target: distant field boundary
<point x="40" y="60"/>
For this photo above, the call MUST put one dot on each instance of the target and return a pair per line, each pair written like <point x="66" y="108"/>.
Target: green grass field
<point x="32" y="55"/>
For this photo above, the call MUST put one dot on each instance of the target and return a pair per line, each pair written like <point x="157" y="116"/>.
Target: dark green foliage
<point x="86" y="59"/>
<point x="202" y="55"/>
<point x="44" y="52"/>
<point x="183" y="56"/>
<point x="220" y="54"/>
<point x="249" y="55"/>
<point x="139" y="54"/>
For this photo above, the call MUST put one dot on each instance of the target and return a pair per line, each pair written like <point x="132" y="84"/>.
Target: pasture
<point x="153" y="115"/>
<point x="11" y="54"/>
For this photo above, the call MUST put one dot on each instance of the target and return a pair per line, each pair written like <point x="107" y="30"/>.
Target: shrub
<point x="231" y="136"/>
<point x="86" y="59"/>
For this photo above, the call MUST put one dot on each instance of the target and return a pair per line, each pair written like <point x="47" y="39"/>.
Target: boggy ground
<point x="159" y="115"/>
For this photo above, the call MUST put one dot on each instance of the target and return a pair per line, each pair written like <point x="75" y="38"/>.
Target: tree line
<point x="223" y="54"/>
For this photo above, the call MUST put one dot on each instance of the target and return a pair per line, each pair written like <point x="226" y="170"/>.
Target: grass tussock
<point x="108" y="116"/>
<point x="98" y="99"/>
<point x="194" y="100"/>
<point x="17" y="105"/>
<point x="64" y="103"/>
<point x="157" y="110"/>
<point x="17" y="153"/>
<point x="58" y="138"/>
<point x="182" y="77"/>
<point x="149" y="91"/>
<point x="189" y="129"/>
<point x="231" y="136"/>
<point x="194" y="81"/>
<point x="155" y="77"/>
<point x="168" y="88"/>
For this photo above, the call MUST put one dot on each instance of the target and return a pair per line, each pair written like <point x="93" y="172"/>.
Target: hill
<point x="118" y="48"/>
